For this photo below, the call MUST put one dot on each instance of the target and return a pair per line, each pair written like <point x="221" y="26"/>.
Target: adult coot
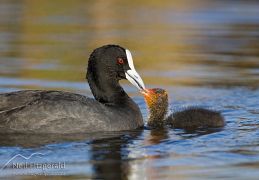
<point x="190" y="118"/>
<point x="37" y="111"/>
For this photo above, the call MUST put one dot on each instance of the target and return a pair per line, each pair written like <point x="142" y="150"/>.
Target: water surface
<point x="204" y="53"/>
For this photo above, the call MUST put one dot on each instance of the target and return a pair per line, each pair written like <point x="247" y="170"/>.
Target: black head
<point x="106" y="66"/>
<point x="109" y="59"/>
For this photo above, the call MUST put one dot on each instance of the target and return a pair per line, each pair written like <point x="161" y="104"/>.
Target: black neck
<point x="106" y="89"/>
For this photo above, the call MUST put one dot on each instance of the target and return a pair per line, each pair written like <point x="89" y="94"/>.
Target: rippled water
<point x="204" y="53"/>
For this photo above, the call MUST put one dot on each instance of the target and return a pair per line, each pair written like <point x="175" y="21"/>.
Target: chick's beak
<point x="145" y="92"/>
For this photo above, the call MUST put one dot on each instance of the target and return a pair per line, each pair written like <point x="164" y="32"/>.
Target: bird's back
<point x="196" y="117"/>
<point x="60" y="112"/>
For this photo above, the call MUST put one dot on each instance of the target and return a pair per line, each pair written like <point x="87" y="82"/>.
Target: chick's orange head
<point x="154" y="96"/>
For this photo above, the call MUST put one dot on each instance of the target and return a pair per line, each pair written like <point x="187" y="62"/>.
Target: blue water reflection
<point x="205" y="54"/>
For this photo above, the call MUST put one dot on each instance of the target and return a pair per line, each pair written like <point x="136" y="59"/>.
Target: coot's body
<point x="195" y="118"/>
<point x="64" y="112"/>
<point x="35" y="111"/>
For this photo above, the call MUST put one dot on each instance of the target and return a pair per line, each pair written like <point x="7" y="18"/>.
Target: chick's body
<point x="190" y="118"/>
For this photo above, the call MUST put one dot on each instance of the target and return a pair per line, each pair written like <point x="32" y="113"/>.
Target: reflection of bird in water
<point x="190" y="118"/>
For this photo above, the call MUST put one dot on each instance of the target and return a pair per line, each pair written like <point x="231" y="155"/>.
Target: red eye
<point x="120" y="61"/>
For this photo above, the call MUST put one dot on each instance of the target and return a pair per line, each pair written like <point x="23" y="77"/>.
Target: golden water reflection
<point x="45" y="45"/>
<point x="185" y="43"/>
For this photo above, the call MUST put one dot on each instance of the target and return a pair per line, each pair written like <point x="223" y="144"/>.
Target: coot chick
<point x="195" y="118"/>
<point x="157" y="102"/>
<point x="190" y="118"/>
<point x="36" y="111"/>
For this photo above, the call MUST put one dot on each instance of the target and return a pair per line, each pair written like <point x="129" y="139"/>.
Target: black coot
<point x="36" y="111"/>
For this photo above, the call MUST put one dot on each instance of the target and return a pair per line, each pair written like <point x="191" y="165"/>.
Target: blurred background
<point x="204" y="52"/>
<point x="197" y="43"/>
